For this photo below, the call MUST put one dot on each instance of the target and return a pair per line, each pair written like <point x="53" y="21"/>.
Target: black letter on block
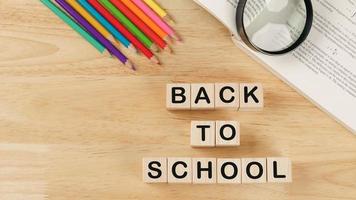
<point x="275" y="173"/>
<point x="233" y="132"/>
<point x="223" y="166"/>
<point x="221" y="94"/>
<point x="204" y="97"/>
<point x="203" y="127"/>
<point x="174" y="166"/>
<point x="248" y="167"/>
<point x="175" y="94"/>
<point x="209" y="169"/>
<point x="152" y="168"/>
<point x="250" y="93"/>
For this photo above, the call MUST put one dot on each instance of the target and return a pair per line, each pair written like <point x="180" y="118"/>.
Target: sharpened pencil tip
<point x="155" y="60"/>
<point x="132" y="48"/>
<point x="169" y="19"/>
<point x="167" y="48"/>
<point x="154" y="48"/>
<point x="130" y="65"/>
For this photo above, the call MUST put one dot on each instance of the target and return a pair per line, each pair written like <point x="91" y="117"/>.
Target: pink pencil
<point x="165" y="27"/>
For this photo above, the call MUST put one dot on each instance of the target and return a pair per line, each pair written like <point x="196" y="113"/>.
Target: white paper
<point x="323" y="68"/>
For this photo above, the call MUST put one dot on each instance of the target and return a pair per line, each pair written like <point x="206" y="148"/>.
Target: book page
<point x="323" y="68"/>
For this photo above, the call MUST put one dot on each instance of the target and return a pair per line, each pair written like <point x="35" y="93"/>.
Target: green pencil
<point x="128" y="24"/>
<point x="74" y="25"/>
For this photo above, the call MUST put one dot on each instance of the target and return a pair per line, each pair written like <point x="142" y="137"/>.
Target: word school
<point x="200" y="96"/>
<point x="221" y="170"/>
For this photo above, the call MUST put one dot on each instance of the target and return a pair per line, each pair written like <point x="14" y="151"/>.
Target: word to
<point x="221" y="170"/>
<point x="195" y="96"/>
<point x="214" y="133"/>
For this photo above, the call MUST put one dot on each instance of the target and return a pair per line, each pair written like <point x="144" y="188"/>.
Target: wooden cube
<point x="202" y="96"/>
<point x="178" y="96"/>
<point x="227" y="96"/>
<point x="251" y="97"/>
<point x="254" y="170"/>
<point x="155" y="170"/>
<point x="279" y="170"/>
<point x="227" y="133"/>
<point x="204" y="170"/>
<point x="202" y="134"/>
<point x="228" y="171"/>
<point x="179" y="170"/>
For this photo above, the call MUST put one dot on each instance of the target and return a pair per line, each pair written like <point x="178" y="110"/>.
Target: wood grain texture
<point x="76" y="125"/>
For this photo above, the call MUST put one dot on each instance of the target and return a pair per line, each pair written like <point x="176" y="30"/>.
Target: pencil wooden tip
<point x="167" y="48"/>
<point x="176" y="37"/>
<point x="132" y="48"/>
<point x="130" y="65"/>
<point x="106" y="53"/>
<point x="169" y="19"/>
<point x="155" y="60"/>
<point x="154" y="48"/>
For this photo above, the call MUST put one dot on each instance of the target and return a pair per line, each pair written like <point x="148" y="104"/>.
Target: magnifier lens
<point x="274" y="25"/>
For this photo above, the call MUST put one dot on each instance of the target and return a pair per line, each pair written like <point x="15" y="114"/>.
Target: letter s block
<point x="154" y="170"/>
<point x="178" y="96"/>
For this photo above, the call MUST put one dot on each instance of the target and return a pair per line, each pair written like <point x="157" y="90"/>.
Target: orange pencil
<point x="147" y="20"/>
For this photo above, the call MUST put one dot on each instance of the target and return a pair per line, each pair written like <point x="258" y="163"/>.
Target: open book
<point x="323" y="68"/>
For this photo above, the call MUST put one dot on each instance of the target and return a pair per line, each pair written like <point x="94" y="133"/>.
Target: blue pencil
<point x="107" y="25"/>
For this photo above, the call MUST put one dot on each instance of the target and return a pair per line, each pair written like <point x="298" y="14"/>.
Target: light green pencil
<point x="129" y="25"/>
<point x="74" y="25"/>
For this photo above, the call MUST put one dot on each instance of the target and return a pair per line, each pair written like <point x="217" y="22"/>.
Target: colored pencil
<point x="76" y="6"/>
<point x="129" y="25"/>
<point x="110" y="47"/>
<point x="62" y="15"/>
<point x="166" y="28"/>
<point x="106" y="24"/>
<point x="144" y="18"/>
<point x="140" y="24"/>
<point x="161" y="12"/>
<point x="110" y="17"/>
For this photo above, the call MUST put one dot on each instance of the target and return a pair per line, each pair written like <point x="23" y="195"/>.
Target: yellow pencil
<point x="162" y="13"/>
<point x="76" y="6"/>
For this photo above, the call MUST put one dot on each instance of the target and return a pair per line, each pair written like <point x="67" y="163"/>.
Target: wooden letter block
<point x="178" y="96"/>
<point x="202" y="134"/>
<point x="202" y="96"/>
<point x="204" y="170"/>
<point x="229" y="171"/>
<point x="227" y="96"/>
<point x="251" y="97"/>
<point x="155" y="170"/>
<point x="179" y="170"/>
<point x="279" y="170"/>
<point x="254" y="170"/>
<point x="227" y="133"/>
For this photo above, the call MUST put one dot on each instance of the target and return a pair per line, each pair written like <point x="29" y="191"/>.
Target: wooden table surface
<point x="75" y="124"/>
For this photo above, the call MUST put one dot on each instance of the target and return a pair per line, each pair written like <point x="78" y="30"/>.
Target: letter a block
<point x="155" y="170"/>
<point x="279" y="170"/>
<point x="178" y="96"/>
<point x="254" y="170"/>
<point x="179" y="170"/>
<point x="227" y="133"/>
<point x="202" y="134"/>
<point x="227" y="96"/>
<point x="204" y="170"/>
<point x="202" y="96"/>
<point x="251" y="97"/>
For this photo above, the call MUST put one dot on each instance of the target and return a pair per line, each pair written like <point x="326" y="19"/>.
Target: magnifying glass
<point x="274" y="26"/>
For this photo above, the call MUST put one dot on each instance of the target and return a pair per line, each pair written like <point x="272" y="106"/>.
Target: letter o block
<point x="254" y="170"/>
<point x="227" y="133"/>
<point x="178" y="96"/>
<point x="155" y="170"/>
<point x="229" y="171"/>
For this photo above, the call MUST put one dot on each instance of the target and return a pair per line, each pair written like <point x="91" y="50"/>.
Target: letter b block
<point x="155" y="170"/>
<point x="178" y="96"/>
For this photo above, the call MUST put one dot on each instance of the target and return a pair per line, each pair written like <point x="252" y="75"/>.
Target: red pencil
<point x="108" y="16"/>
<point x="140" y="24"/>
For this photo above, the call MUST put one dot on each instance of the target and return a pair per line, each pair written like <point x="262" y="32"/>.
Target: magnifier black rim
<point x="241" y="30"/>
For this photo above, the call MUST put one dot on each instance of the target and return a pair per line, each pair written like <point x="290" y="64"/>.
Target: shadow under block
<point x="251" y="97"/>
<point x="202" y="96"/>
<point x="204" y="170"/>
<point x="179" y="170"/>
<point x="178" y="96"/>
<point x="202" y="134"/>
<point x="227" y="133"/>
<point x="155" y="170"/>
<point x="228" y="171"/>
<point x="279" y="170"/>
<point x="254" y="169"/>
<point x="227" y="96"/>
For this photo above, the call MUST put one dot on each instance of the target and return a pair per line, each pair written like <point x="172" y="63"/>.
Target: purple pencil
<point x="106" y="43"/>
